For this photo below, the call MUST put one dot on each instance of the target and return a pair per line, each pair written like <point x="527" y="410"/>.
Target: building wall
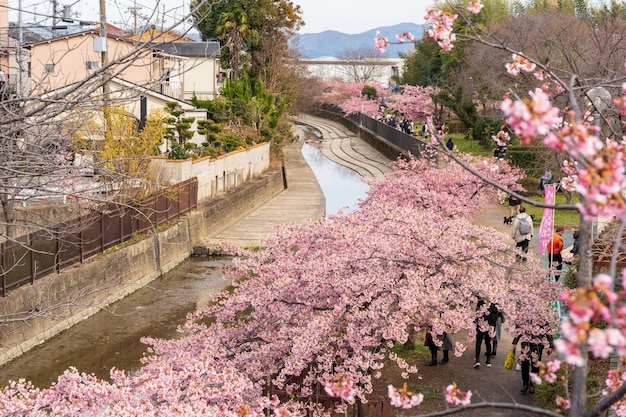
<point x="4" y="35"/>
<point x="200" y="78"/>
<point x="69" y="56"/>
<point x="333" y="69"/>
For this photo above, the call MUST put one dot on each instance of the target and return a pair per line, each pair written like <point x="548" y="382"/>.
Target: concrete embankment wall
<point x="59" y="301"/>
<point x="377" y="142"/>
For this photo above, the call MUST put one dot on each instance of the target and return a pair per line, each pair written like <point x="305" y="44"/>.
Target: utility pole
<point x="134" y="11"/>
<point x="103" y="33"/>
<point x="104" y="62"/>
<point x="20" y="57"/>
<point x="54" y="18"/>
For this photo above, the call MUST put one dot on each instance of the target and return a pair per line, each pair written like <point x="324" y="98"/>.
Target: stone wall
<point x="218" y="175"/>
<point x="59" y="301"/>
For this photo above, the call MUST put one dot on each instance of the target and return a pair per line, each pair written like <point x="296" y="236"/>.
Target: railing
<point x="402" y="141"/>
<point x="31" y="257"/>
<point x="373" y="408"/>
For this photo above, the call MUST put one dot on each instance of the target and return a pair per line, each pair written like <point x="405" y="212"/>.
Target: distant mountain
<point x="333" y="43"/>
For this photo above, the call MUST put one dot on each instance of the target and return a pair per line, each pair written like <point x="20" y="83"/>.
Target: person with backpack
<point x="522" y="232"/>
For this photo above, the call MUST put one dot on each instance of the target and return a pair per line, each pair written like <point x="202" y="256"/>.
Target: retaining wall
<point x="59" y="301"/>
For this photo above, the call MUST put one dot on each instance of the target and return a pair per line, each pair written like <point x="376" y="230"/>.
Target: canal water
<point x="342" y="187"/>
<point x="111" y="338"/>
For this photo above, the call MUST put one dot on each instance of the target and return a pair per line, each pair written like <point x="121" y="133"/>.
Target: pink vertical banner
<point x="547" y="221"/>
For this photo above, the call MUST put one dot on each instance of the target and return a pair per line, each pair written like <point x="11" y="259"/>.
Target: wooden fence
<point x="373" y="408"/>
<point x="31" y="257"/>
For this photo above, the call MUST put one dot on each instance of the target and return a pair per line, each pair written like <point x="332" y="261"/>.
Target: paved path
<point x="303" y="199"/>
<point x="341" y="146"/>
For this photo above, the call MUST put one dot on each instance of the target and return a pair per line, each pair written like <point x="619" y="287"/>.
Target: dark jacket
<point x="491" y="315"/>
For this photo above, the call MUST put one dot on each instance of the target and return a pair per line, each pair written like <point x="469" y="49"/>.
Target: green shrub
<point x="232" y="141"/>
<point x="178" y="152"/>
<point x="484" y="129"/>
<point x="545" y="394"/>
<point x="369" y="92"/>
<point x="524" y="157"/>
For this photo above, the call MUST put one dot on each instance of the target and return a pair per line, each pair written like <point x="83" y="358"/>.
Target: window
<point x="48" y="69"/>
<point x="92" y="65"/>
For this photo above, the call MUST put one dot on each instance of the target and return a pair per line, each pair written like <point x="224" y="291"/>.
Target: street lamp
<point x="600" y="98"/>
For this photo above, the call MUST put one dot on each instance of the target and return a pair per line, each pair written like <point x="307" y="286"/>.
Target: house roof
<point x="190" y="49"/>
<point x="127" y="85"/>
<point x="33" y="34"/>
<point x="155" y="35"/>
<point x="90" y="31"/>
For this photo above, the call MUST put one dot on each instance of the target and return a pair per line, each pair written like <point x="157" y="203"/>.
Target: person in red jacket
<point x="555" y="246"/>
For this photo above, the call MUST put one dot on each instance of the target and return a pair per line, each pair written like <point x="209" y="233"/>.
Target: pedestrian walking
<point x="532" y="346"/>
<point x="514" y="205"/>
<point x="575" y="246"/>
<point x="554" y="247"/>
<point x="496" y="338"/>
<point x="522" y="231"/>
<point x="445" y="345"/>
<point x="485" y="325"/>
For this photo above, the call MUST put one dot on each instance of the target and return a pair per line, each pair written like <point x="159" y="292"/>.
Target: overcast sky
<point x="357" y="16"/>
<point x="348" y="16"/>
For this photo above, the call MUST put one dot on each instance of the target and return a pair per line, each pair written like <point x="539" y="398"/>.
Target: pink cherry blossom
<point x="502" y="138"/>
<point x="342" y="387"/>
<point x="519" y="64"/>
<point x="404" y="37"/>
<point x="380" y="42"/>
<point x="441" y="29"/>
<point x="456" y="396"/>
<point x="403" y="398"/>
<point x="531" y="118"/>
<point x="562" y="403"/>
<point x="474" y="6"/>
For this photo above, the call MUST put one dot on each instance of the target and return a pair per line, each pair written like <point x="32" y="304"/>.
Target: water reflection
<point x="341" y="186"/>
<point x="111" y="338"/>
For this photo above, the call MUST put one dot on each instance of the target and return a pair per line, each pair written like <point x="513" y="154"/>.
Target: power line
<point x="16" y="9"/>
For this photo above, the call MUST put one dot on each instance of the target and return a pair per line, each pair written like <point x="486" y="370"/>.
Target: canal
<point x="111" y="338"/>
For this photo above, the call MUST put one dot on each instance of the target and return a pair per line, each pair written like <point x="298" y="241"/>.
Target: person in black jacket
<point x="532" y="351"/>
<point x="490" y="316"/>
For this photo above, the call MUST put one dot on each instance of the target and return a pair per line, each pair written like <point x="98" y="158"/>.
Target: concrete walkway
<point x="303" y="199"/>
<point x="343" y="147"/>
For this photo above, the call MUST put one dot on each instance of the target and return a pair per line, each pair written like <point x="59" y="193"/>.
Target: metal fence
<point x="401" y="140"/>
<point x="38" y="254"/>
<point x="404" y="141"/>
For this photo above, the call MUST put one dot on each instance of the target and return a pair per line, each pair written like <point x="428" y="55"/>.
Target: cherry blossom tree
<point x="414" y="101"/>
<point x="594" y="166"/>
<point x="350" y="98"/>
<point x="323" y="304"/>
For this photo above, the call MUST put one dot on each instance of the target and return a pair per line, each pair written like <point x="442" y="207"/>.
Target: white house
<point x="372" y="69"/>
<point x="200" y="67"/>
